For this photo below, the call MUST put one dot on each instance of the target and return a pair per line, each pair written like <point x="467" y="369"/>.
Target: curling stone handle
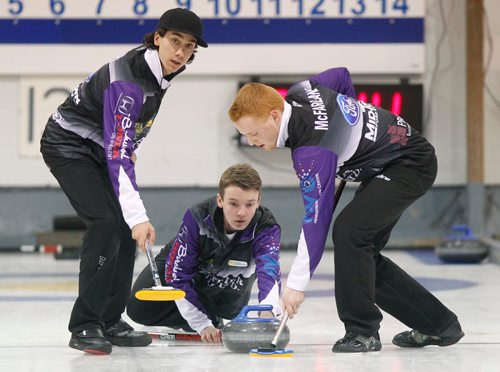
<point x="283" y="321"/>
<point x="465" y="230"/>
<point x="243" y="315"/>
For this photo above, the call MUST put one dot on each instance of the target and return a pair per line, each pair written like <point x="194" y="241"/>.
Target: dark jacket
<point x="106" y="118"/>
<point x="331" y="134"/>
<point x="216" y="273"/>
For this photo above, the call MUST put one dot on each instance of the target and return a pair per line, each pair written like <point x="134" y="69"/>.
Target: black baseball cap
<point x="183" y="20"/>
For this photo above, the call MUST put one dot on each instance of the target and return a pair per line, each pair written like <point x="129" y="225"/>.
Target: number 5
<point x="19" y="5"/>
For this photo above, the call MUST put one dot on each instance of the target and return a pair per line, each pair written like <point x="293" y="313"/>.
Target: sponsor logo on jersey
<point x="308" y="186"/>
<point x="351" y="174"/>
<point x="75" y="96"/>
<point x="382" y="177"/>
<point x="102" y="261"/>
<point x="318" y="108"/>
<point x="233" y="282"/>
<point x="372" y="121"/>
<point x="125" y="104"/>
<point x="349" y="108"/>
<point x="122" y="124"/>
<point x="176" y="256"/>
<point x="400" y="132"/>
<point x="311" y="189"/>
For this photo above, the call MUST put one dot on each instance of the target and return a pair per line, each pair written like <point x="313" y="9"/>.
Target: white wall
<point x="492" y="94"/>
<point x="191" y="140"/>
<point x="445" y="87"/>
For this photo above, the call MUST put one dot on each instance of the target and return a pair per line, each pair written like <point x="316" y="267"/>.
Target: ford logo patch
<point x="350" y="109"/>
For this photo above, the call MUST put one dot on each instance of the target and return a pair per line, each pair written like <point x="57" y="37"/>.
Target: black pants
<point x="153" y="313"/>
<point x="108" y="250"/>
<point x="364" y="278"/>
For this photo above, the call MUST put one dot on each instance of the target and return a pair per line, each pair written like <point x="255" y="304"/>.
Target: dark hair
<point x="243" y="176"/>
<point x="149" y="42"/>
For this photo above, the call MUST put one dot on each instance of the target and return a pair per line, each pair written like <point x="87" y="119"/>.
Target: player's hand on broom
<point x="291" y="301"/>
<point x="211" y="335"/>
<point x="142" y="232"/>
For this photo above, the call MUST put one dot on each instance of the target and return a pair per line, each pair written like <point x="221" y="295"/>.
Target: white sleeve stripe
<point x="195" y="318"/>
<point x="273" y="298"/>
<point x="300" y="274"/>
<point x="130" y="201"/>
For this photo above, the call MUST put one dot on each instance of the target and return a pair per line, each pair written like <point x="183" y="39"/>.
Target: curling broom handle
<point x="152" y="264"/>
<point x="274" y="342"/>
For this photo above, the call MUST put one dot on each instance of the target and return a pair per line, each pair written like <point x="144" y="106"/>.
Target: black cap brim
<point x="199" y="41"/>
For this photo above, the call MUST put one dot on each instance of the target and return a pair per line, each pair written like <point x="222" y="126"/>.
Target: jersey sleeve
<point x="122" y="105"/>
<point x="316" y="168"/>
<point x="265" y="249"/>
<point x="180" y="268"/>
<point x="337" y="79"/>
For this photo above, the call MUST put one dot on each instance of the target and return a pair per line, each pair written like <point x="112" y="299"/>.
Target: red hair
<point x="255" y="100"/>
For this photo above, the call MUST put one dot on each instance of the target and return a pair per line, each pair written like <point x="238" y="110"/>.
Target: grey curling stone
<point x="244" y="333"/>
<point x="461" y="247"/>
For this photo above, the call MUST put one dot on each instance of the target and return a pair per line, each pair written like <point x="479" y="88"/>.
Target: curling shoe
<point x="415" y="338"/>
<point x="122" y="334"/>
<point x="91" y="341"/>
<point x="355" y="343"/>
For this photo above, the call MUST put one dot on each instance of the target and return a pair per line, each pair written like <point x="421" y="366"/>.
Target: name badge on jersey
<point x="235" y="263"/>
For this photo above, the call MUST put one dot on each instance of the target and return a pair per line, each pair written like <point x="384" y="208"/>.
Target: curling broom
<point x="272" y="351"/>
<point x="157" y="292"/>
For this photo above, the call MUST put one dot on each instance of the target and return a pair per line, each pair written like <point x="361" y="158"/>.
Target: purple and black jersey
<point x="331" y="134"/>
<point x="217" y="273"/>
<point x="107" y="116"/>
